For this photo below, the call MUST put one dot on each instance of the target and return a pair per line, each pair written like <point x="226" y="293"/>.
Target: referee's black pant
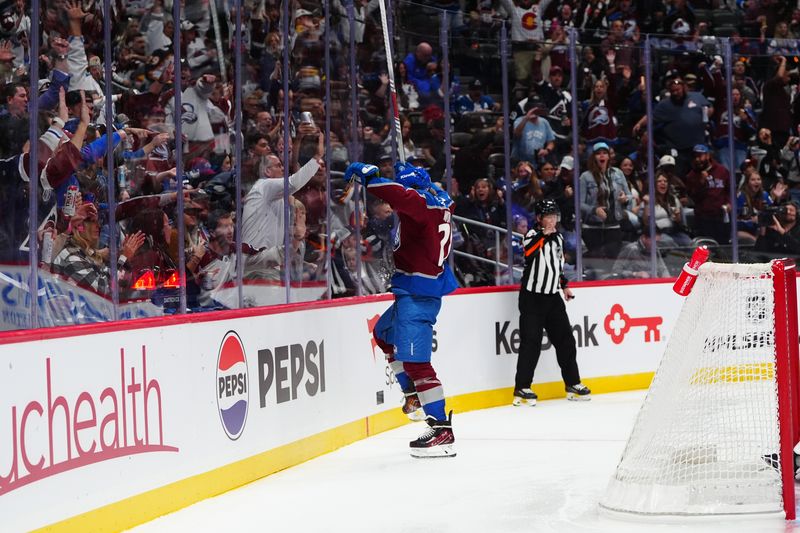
<point x="538" y="313"/>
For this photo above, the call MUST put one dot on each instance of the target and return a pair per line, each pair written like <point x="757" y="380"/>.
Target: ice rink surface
<point x="532" y="469"/>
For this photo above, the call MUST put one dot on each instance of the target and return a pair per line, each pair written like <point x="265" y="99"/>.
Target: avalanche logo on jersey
<point x="598" y="116"/>
<point x="232" y="385"/>
<point x="188" y="115"/>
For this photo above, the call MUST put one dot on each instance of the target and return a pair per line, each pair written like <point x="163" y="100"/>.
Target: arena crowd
<point x="263" y="203"/>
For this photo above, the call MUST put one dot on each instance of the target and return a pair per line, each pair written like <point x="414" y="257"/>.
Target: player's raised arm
<point x="402" y="194"/>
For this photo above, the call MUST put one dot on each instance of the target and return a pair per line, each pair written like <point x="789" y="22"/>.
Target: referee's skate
<point x="524" y="397"/>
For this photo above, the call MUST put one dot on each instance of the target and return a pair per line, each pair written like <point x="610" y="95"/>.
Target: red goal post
<point x="787" y="374"/>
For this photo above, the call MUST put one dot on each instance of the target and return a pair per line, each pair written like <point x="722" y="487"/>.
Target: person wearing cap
<point x="666" y="166"/>
<point x="666" y="162"/>
<point x="523" y="95"/>
<point x="386" y="165"/>
<point x="96" y="69"/>
<point x="679" y="122"/>
<point x="475" y="100"/>
<point x="708" y="185"/>
<point x="604" y="198"/>
<point x="534" y="139"/>
<point x="668" y="214"/>
<point x="303" y="17"/>
<point x="198" y="54"/>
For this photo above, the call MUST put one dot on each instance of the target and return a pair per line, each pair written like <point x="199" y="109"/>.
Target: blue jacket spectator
<point x="421" y="67"/>
<point x="474" y="100"/>
<point x="534" y="139"/>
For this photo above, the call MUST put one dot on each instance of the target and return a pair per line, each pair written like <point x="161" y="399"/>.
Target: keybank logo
<point x="507" y="338"/>
<point x="618" y="323"/>
<point x="232" y="385"/>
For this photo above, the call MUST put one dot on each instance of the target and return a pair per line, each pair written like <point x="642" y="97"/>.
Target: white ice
<point x="532" y="469"/>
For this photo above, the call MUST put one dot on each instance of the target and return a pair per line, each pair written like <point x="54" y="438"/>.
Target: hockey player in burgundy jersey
<point x="422" y="276"/>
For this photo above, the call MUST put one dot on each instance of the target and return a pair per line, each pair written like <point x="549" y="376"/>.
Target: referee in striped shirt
<point x="542" y="308"/>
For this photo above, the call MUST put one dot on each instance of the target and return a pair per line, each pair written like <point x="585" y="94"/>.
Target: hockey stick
<point x="401" y="152"/>
<point x="223" y="72"/>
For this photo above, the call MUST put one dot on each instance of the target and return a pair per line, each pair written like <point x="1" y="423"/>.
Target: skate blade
<point x="416" y="416"/>
<point x="445" y="450"/>
<point x="578" y="398"/>
<point x="519" y="401"/>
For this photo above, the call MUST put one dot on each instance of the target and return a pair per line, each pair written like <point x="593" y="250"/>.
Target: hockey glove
<point x="408" y="175"/>
<point x="361" y="172"/>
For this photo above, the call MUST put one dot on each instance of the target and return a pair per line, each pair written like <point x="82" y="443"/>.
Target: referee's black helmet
<point x="546" y="207"/>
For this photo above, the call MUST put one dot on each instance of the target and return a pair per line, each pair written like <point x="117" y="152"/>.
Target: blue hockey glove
<point x="401" y="168"/>
<point x="361" y="172"/>
<point x="410" y="176"/>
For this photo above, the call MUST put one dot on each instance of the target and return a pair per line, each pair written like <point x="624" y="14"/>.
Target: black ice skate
<point x="437" y="441"/>
<point x="579" y="393"/>
<point x="412" y="407"/>
<point x="524" y="397"/>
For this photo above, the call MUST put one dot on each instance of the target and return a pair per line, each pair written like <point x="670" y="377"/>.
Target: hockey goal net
<point x="716" y="430"/>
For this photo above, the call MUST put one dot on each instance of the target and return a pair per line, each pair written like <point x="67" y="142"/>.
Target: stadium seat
<point x="460" y="139"/>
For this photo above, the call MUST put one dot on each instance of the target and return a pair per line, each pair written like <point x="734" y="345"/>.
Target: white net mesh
<point x="709" y="423"/>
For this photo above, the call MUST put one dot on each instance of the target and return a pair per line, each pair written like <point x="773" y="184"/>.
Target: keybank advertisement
<point x="618" y="330"/>
<point x="87" y="421"/>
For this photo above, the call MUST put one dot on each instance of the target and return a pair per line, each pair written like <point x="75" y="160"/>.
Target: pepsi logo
<point x="232" y="385"/>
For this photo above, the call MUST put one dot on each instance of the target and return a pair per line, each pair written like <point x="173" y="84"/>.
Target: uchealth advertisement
<point x="87" y="421"/>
